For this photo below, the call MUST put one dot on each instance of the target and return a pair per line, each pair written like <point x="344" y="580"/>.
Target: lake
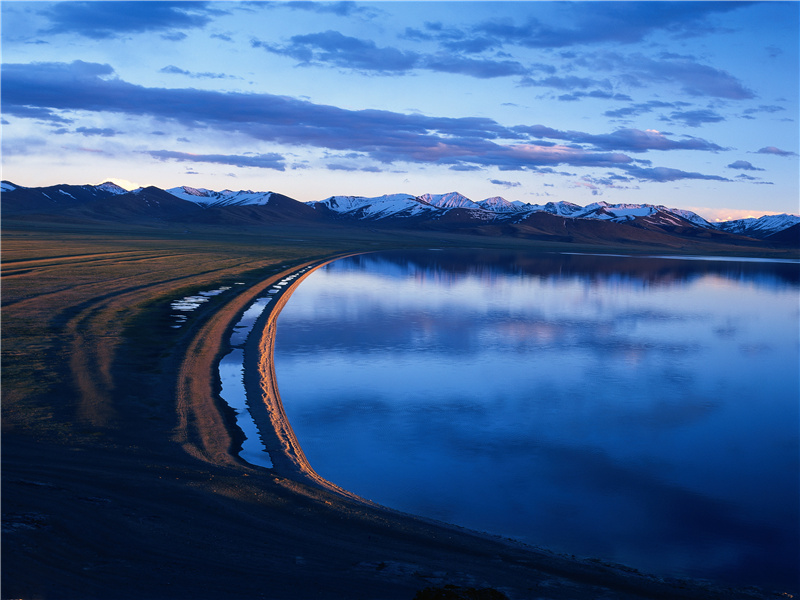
<point x="642" y="410"/>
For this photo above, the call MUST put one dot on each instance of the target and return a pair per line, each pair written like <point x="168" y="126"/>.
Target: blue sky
<point x="689" y="104"/>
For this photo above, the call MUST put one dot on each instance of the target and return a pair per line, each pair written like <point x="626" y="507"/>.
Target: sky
<point x="692" y="105"/>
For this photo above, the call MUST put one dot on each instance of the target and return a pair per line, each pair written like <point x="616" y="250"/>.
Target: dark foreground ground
<point x="118" y="478"/>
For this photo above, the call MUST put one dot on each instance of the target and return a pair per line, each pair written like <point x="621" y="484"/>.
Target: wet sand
<point x="151" y="501"/>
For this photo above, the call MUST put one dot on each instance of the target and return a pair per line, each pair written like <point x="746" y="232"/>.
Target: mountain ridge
<point x="449" y="211"/>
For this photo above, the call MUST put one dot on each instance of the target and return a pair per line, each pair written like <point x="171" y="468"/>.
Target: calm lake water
<point x="639" y="410"/>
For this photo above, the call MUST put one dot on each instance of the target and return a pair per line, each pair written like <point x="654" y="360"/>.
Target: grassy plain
<point x="108" y="490"/>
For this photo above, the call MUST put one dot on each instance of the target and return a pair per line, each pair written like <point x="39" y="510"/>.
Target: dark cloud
<point x="508" y="184"/>
<point x="627" y="140"/>
<point x="743" y="165"/>
<point x="334" y="48"/>
<point x="566" y="83"/>
<point x="100" y="20"/>
<point x="695" y="79"/>
<point x="764" y="108"/>
<point x="634" y="110"/>
<point x="665" y="174"/>
<point x="600" y="94"/>
<point x="776" y="151"/>
<point x="173" y="70"/>
<point x="620" y="22"/>
<point x="340" y="9"/>
<point x="380" y="135"/>
<point x="480" y="69"/>
<point x="340" y="167"/>
<point x="174" y="36"/>
<point x="260" y="161"/>
<point x="92" y="131"/>
<point x="696" y="118"/>
<point x="450" y="38"/>
<point x="35" y="112"/>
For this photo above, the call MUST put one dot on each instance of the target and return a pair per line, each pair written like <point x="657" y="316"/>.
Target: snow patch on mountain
<point x="450" y="200"/>
<point x="6" y="186"/>
<point x="112" y="188"/>
<point x="498" y="204"/>
<point x="209" y="198"/>
<point x="761" y="227"/>
<point x="380" y="207"/>
<point x="562" y="208"/>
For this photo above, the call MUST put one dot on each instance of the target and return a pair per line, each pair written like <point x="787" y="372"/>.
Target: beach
<point x="120" y="470"/>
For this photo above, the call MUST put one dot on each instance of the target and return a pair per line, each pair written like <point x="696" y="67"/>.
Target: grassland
<point x="113" y="489"/>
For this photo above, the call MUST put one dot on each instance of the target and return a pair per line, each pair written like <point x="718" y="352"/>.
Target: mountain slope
<point x="597" y="223"/>
<point x="761" y="228"/>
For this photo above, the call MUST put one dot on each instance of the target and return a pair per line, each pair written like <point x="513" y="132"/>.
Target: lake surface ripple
<point x="638" y="410"/>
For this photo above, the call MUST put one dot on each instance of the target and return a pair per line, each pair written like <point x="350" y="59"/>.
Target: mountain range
<point x="559" y="221"/>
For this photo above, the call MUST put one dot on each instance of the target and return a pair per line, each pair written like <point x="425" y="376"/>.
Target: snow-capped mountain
<point x="497" y="208"/>
<point x="204" y="197"/>
<point x="761" y="227"/>
<point x="450" y="200"/>
<point x="380" y="207"/>
<point x="453" y="211"/>
<point x="498" y="204"/>
<point x="112" y="188"/>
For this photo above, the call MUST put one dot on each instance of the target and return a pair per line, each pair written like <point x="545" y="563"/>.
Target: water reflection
<point x="642" y="410"/>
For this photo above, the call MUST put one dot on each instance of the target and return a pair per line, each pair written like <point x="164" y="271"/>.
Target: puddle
<point x="245" y="325"/>
<point x="231" y="375"/>
<point x="189" y="303"/>
<point x="231" y="370"/>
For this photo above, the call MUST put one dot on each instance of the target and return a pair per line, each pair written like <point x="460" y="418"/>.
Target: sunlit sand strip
<point x="263" y="397"/>
<point x="202" y="430"/>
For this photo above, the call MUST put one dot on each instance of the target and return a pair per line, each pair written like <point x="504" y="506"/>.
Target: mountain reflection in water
<point x="640" y="410"/>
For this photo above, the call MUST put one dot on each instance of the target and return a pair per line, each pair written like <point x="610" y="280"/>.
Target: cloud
<point x="174" y="36"/>
<point x="603" y="95"/>
<point x="696" y="118"/>
<point x="99" y="20"/>
<point x="480" y="69"/>
<point x="634" y="110"/>
<point x="332" y="47"/>
<point x="743" y="165"/>
<point x="91" y="131"/>
<point x="665" y="174"/>
<point x="695" y="79"/>
<point x="508" y="184"/>
<point x="764" y="108"/>
<point x="566" y="83"/>
<point x="776" y="151"/>
<point x="35" y="112"/>
<point x="625" y="139"/>
<point x="337" y="49"/>
<point x="173" y="70"/>
<point x="620" y="22"/>
<point x="261" y="161"/>
<point x="340" y="9"/>
<point x="383" y="136"/>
